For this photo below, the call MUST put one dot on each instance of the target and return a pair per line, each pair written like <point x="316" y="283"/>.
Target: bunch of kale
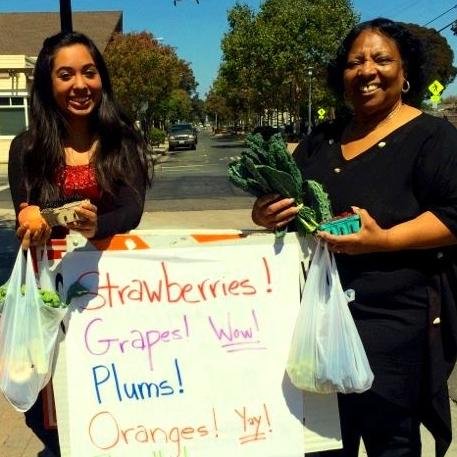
<point x="267" y="167"/>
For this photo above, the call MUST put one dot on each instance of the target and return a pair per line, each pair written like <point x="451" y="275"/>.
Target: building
<point x="21" y="38"/>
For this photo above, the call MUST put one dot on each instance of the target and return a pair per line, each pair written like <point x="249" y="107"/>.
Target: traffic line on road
<point x="2" y="188"/>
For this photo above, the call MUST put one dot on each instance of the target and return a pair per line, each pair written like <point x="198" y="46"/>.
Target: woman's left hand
<point x="370" y="238"/>
<point x="87" y="224"/>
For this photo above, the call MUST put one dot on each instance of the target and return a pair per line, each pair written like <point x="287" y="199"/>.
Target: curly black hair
<point x="409" y="46"/>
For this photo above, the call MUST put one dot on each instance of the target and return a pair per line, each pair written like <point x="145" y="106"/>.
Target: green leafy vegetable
<point x="267" y="167"/>
<point x="318" y="200"/>
<point x="3" y="289"/>
<point x="49" y="297"/>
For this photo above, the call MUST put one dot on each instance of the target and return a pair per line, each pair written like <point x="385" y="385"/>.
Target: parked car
<point x="182" y="136"/>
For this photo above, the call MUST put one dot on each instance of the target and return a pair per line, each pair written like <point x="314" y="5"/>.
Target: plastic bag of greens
<point x="326" y="353"/>
<point x="29" y="325"/>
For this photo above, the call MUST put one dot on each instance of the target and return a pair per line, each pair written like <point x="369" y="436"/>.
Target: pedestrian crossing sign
<point x="436" y="88"/>
<point x="321" y="112"/>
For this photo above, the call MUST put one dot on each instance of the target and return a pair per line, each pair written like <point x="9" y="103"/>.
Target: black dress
<point x="397" y="295"/>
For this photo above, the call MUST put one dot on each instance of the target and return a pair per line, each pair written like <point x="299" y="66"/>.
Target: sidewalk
<point x="15" y="438"/>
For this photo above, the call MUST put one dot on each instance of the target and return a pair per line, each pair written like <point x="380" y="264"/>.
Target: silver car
<point x="182" y="136"/>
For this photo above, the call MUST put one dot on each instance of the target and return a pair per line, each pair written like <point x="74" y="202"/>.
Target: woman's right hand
<point x="273" y="211"/>
<point x="37" y="237"/>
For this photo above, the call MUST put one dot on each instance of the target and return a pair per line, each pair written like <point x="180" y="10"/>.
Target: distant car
<point x="182" y="136"/>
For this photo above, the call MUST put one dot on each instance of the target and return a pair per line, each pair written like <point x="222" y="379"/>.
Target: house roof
<point x="24" y="33"/>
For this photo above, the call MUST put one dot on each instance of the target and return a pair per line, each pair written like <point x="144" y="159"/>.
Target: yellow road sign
<point x="435" y="98"/>
<point x="436" y="87"/>
<point x="321" y="112"/>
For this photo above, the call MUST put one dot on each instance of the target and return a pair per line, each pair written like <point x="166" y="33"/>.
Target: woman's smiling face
<point x="374" y="75"/>
<point x="76" y="82"/>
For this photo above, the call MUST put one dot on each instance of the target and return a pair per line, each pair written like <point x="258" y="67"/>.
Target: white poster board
<point x="182" y="352"/>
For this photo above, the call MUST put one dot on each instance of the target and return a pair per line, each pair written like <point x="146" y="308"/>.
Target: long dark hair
<point x="409" y="46"/>
<point x="121" y="156"/>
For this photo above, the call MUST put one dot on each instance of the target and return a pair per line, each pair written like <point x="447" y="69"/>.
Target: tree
<point x="238" y="79"/>
<point x="198" y="109"/>
<point x="216" y="107"/>
<point x="438" y="64"/>
<point x="147" y="78"/>
<point x="179" y="105"/>
<point x="267" y="56"/>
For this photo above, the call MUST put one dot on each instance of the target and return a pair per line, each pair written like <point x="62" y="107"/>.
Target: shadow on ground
<point x="228" y="141"/>
<point x="227" y="137"/>
<point x="228" y="146"/>
<point x="9" y="246"/>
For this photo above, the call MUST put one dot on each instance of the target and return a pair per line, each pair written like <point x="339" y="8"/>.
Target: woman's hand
<point x="87" y="224"/>
<point x="273" y="212"/>
<point x="370" y="238"/>
<point x="28" y="237"/>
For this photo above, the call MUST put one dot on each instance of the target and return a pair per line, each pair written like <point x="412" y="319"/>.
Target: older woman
<point x="397" y="167"/>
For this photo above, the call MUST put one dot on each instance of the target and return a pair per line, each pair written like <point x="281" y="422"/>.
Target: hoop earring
<point x="404" y="89"/>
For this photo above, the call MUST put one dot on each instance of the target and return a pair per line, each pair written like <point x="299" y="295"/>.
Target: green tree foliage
<point x="266" y="56"/>
<point x="239" y="75"/>
<point x="150" y="81"/>
<point x="179" y="105"/>
<point x="216" y="107"/>
<point x="198" y="109"/>
<point x="439" y="56"/>
<point x="157" y="136"/>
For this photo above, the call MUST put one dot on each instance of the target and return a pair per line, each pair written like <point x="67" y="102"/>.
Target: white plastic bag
<point x="28" y="333"/>
<point x="326" y="353"/>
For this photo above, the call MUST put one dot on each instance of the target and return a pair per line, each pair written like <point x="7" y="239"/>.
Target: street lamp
<point x="310" y="75"/>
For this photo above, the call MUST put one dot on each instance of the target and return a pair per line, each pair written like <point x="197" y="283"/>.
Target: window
<point x="17" y="101"/>
<point x="13" y="119"/>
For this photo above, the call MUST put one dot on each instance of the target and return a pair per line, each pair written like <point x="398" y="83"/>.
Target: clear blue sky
<point x="196" y="30"/>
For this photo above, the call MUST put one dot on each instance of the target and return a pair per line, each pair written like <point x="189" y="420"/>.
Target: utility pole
<point x="66" y="24"/>
<point x="310" y="74"/>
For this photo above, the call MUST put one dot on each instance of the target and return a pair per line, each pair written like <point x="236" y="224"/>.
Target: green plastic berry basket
<point x="342" y="226"/>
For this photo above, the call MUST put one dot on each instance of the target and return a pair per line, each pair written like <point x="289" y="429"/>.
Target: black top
<point x="116" y="213"/>
<point x="412" y="170"/>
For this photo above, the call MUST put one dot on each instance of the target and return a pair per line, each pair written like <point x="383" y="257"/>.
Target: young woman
<point x="79" y="146"/>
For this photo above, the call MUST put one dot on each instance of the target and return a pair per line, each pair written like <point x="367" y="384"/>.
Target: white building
<point x="21" y="38"/>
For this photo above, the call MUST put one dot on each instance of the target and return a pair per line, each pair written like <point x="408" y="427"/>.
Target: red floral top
<point x="117" y="212"/>
<point x="79" y="180"/>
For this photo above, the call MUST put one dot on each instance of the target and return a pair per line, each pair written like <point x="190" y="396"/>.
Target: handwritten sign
<point x="181" y="352"/>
